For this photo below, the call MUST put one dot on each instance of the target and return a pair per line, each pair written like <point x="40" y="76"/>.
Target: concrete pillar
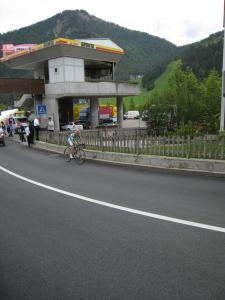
<point x="37" y="101"/>
<point x="119" y="104"/>
<point x="53" y="111"/>
<point x="94" y="104"/>
<point x="113" y="71"/>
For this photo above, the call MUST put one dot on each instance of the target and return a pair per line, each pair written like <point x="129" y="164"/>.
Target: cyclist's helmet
<point x="77" y="129"/>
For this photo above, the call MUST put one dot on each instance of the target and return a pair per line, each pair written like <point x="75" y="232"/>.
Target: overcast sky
<point x="179" y="21"/>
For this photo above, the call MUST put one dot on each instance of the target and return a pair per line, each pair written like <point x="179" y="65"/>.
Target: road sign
<point x="41" y="109"/>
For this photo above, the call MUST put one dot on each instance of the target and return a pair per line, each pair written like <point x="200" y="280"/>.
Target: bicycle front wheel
<point x="67" y="152"/>
<point x="80" y="156"/>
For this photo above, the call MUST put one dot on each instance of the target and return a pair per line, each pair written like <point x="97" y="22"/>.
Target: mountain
<point x="201" y="57"/>
<point x="205" y="55"/>
<point x="142" y="50"/>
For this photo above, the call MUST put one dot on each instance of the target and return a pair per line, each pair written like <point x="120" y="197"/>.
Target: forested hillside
<point x="190" y="99"/>
<point x="142" y="50"/>
<point x="201" y="57"/>
<point x="204" y="56"/>
<point x="188" y="104"/>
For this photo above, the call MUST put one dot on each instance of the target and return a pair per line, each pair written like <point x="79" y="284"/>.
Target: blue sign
<point x="41" y="109"/>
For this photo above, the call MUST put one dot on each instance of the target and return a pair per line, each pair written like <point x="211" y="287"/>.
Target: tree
<point x="211" y="88"/>
<point x="187" y="94"/>
<point x="3" y="106"/>
<point x="132" y="104"/>
<point x="188" y="102"/>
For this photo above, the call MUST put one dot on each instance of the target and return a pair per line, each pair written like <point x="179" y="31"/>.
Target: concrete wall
<point x="52" y="110"/>
<point x="65" y="69"/>
<point x="87" y="89"/>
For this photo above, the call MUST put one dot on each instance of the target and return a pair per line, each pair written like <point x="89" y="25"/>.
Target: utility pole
<point x="222" y="116"/>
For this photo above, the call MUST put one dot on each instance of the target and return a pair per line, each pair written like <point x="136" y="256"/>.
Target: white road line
<point x="122" y="208"/>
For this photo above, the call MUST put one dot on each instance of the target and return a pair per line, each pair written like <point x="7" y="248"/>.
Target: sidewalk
<point x="206" y="167"/>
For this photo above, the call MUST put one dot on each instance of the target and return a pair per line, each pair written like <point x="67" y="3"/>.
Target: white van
<point x="131" y="114"/>
<point x="18" y="121"/>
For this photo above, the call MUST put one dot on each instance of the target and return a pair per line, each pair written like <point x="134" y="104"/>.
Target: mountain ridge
<point x="141" y="49"/>
<point x="202" y="57"/>
<point x="145" y="54"/>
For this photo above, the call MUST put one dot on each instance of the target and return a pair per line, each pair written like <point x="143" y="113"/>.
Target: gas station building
<point x="73" y="69"/>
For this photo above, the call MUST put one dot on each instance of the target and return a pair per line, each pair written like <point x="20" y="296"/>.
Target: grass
<point x="160" y="85"/>
<point x="138" y="100"/>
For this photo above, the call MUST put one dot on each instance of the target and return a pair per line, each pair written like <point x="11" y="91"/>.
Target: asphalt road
<point x="57" y="246"/>
<point x="134" y="123"/>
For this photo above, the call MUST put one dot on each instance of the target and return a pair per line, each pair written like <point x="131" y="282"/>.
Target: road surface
<point x="134" y="123"/>
<point x="99" y="231"/>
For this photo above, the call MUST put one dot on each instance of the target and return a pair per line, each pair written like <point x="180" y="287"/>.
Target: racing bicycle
<point x="75" y="152"/>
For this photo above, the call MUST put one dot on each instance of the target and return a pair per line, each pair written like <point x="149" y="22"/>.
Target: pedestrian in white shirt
<point x="51" y="125"/>
<point x="27" y="132"/>
<point x="36" y="128"/>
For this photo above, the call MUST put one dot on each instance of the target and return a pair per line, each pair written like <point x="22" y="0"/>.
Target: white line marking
<point x="123" y="208"/>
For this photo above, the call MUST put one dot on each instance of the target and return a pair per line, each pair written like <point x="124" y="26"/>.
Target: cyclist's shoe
<point x="71" y="156"/>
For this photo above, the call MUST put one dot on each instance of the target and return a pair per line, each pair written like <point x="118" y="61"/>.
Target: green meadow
<point x="160" y="85"/>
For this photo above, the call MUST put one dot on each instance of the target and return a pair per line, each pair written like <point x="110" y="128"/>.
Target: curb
<point x="135" y="161"/>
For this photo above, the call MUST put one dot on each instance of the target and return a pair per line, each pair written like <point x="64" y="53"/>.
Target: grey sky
<point x="179" y="21"/>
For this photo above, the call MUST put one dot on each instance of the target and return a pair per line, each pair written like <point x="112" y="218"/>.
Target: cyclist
<point x="73" y="140"/>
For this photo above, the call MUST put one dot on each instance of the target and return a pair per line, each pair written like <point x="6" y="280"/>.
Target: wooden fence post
<point x="222" y="148"/>
<point x="137" y="142"/>
<point x="188" y="146"/>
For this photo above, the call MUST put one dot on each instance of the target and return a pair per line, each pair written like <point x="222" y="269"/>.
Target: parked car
<point x="71" y="126"/>
<point x="131" y="114"/>
<point x="108" y="123"/>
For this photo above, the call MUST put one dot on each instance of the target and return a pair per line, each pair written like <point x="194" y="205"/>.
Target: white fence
<point x="137" y="141"/>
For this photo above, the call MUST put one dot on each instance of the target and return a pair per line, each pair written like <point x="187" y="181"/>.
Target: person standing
<point x="27" y="132"/>
<point x="10" y="129"/>
<point x="31" y="129"/>
<point x="51" y="125"/>
<point x="22" y="133"/>
<point x="36" y="128"/>
<point x="3" y="126"/>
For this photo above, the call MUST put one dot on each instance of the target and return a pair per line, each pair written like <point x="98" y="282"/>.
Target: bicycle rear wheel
<point x="80" y="156"/>
<point x="67" y="154"/>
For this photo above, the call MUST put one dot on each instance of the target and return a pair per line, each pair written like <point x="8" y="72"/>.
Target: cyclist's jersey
<point x="73" y="138"/>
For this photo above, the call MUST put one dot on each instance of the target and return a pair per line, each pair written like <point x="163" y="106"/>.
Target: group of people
<point x="26" y="133"/>
<point x="8" y="129"/>
<point x="34" y="128"/>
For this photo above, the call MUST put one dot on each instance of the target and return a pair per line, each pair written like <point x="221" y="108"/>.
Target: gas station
<point x="65" y="70"/>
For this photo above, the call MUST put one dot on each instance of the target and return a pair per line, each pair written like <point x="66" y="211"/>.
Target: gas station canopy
<point x="34" y="56"/>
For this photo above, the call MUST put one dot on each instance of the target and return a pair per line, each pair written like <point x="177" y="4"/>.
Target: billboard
<point x="11" y="48"/>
